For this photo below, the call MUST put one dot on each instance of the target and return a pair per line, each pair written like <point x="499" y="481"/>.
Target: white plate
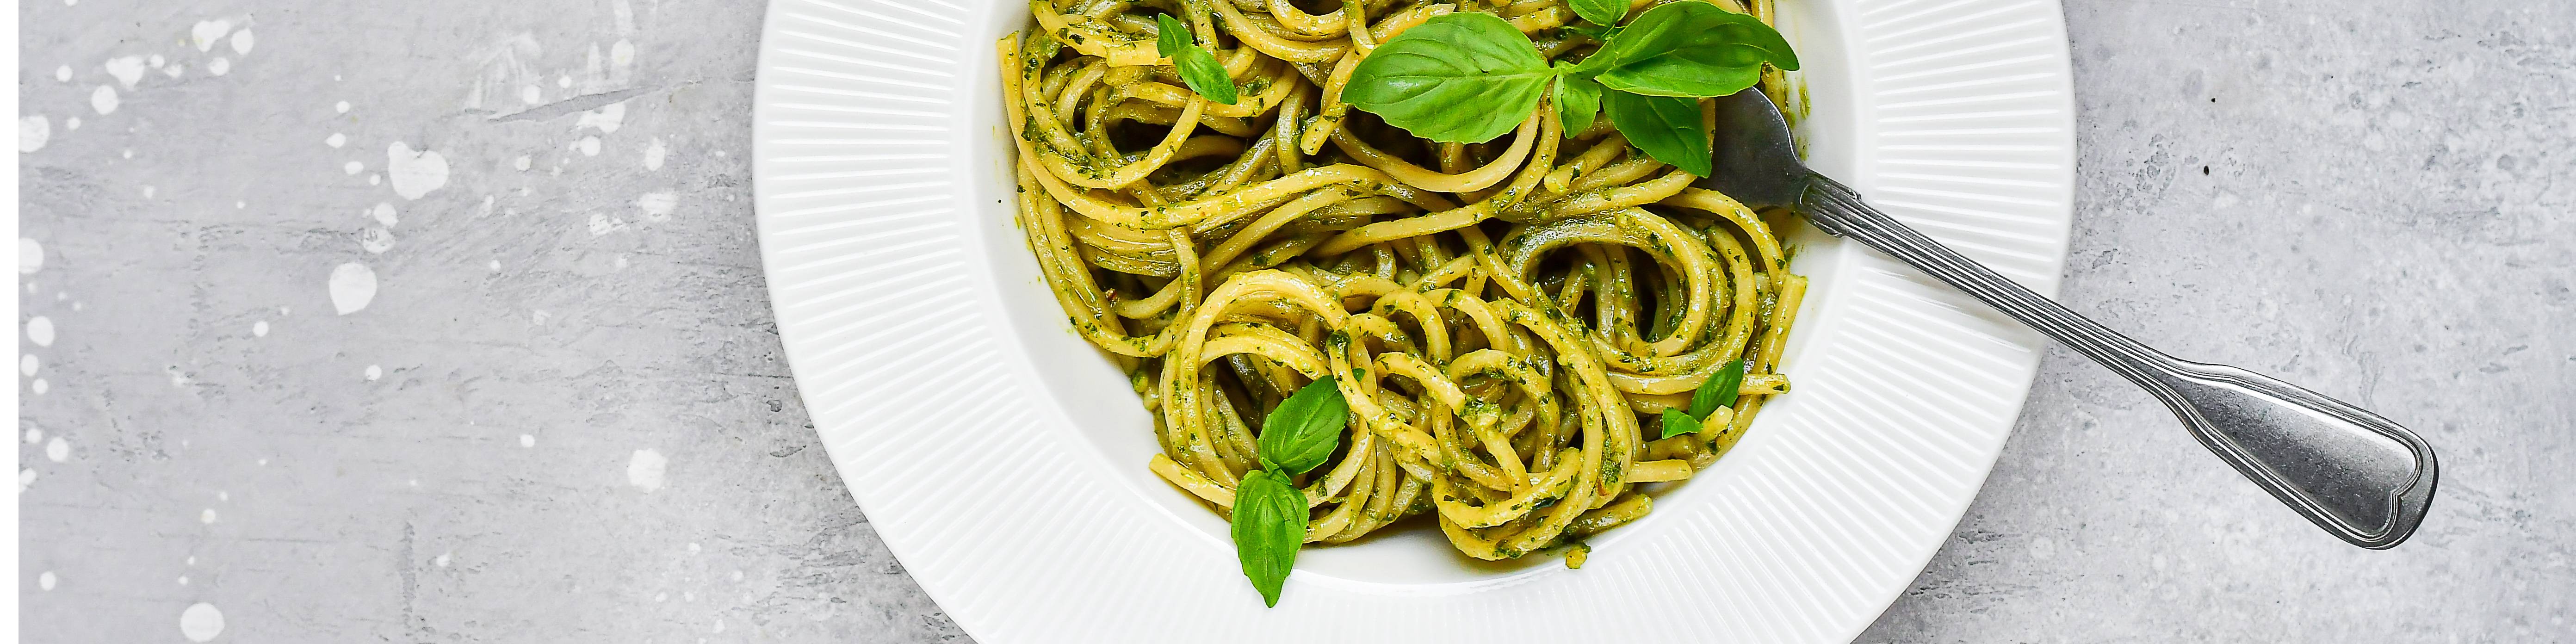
<point x="1003" y="460"/>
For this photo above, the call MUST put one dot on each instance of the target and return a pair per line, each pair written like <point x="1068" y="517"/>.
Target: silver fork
<point x="2359" y="476"/>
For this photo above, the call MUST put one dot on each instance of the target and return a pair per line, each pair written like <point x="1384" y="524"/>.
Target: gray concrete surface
<point x="559" y="411"/>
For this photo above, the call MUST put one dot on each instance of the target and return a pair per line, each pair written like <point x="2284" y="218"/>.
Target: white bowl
<point x="1003" y="459"/>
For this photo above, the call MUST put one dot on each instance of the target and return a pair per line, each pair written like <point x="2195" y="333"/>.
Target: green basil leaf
<point x="1199" y="68"/>
<point x="1269" y="525"/>
<point x="1668" y="128"/>
<point x="1601" y="12"/>
<point x="1719" y="390"/>
<point x="1171" y="35"/>
<point x="1578" y="99"/>
<point x="1304" y="429"/>
<point x="1690" y="49"/>
<point x="1677" y="423"/>
<point x="1457" y="78"/>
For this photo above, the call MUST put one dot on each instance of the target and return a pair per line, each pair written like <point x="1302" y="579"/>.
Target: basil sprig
<point x="1269" y="522"/>
<point x="1470" y="77"/>
<point x="1197" y="65"/>
<point x="1718" y="391"/>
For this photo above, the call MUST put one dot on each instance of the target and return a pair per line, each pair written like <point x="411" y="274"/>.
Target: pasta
<point x="1505" y="319"/>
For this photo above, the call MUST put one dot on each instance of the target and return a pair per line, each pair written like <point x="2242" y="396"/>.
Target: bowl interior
<point x="1095" y="400"/>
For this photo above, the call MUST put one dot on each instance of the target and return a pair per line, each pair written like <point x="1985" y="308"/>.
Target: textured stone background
<point x="560" y="413"/>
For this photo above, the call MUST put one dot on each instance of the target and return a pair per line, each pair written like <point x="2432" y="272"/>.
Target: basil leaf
<point x="1601" y="12"/>
<point x="1457" y="78"/>
<point x="1668" y="128"/>
<point x="1677" y="423"/>
<point x="1199" y="68"/>
<point x="1269" y="525"/>
<point x="1690" y="49"/>
<point x="1303" y="430"/>
<point x="1719" y="390"/>
<point x="1578" y="99"/>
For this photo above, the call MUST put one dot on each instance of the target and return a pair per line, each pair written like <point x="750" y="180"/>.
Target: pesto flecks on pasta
<point x="1519" y="329"/>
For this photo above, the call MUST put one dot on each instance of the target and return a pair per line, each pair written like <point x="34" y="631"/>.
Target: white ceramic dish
<point x="1002" y="459"/>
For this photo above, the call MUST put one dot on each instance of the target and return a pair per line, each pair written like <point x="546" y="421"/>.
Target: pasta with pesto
<point x="1507" y="320"/>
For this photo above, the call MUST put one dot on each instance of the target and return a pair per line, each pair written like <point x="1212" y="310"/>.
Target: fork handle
<point x="1837" y="209"/>
<point x="2361" y="477"/>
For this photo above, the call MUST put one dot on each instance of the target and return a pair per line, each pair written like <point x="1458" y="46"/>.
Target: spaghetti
<point x="1505" y="319"/>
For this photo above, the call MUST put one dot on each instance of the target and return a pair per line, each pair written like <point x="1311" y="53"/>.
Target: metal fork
<point x="2359" y="476"/>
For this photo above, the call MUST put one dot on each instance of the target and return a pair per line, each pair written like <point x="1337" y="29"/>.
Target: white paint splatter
<point x="352" y="167"/>
<point x="242" y="42"/>
<point x="602" y="224"/>
<point x="285" y="310"/>
<point x="34" y="131"/>
<point x="496" y="266"/>
<point x="103" y="99"/>
<point x="336" y="140"/>
<point x="645" y="470"/>
<point x="148" y="191"/>
<point x="415" y="173"/>
<point x="375" y="372"/>
<point x="127" y="153"/>
<point x="531" y="95"/>
<point x="63" y="74"/>
<point x="28" y="365"/>
<point x="156" y="61"/>
<point x="201" y="622"/>
<point x="539" y="317"/>
<point x="607" y="118"/>
<point x="353" y="285"/>
<point x="39" y="386"/>
<point x="376" y="240"/>
<point x="383" y="212"/>
<point x="177" y="377"/>
<point x="40" y="330"/>
<point x="192" y="559"/>
<point x="621" y="61"/>
<point x="207" y="516"/>
<point x="58" y="450"/>
<point x="693" y="547"/>
<point x="219" y="66"/>
<point x="654" y="153"/>
<point x="373" y="178"/>
<point x="208" y="31"/>
<point x="174" y="70"/>
<point x="27" y="477"/>
<point x="589" y="146"/>
<point x="31" y="256"/>
<point x="563" y="81"/>
<point x="527" y="440"/>
<point x="657" y="205"/>
<point x="223" y="496"/>
<point x="259" y="329"/>
<point x="183" y="580"/>
<point x="621" y="261"/>
<point x="46" y="580"/>
<point x="127" y="70"/>
<point x="35" y="435"/>
<point x="522" y="162"/>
